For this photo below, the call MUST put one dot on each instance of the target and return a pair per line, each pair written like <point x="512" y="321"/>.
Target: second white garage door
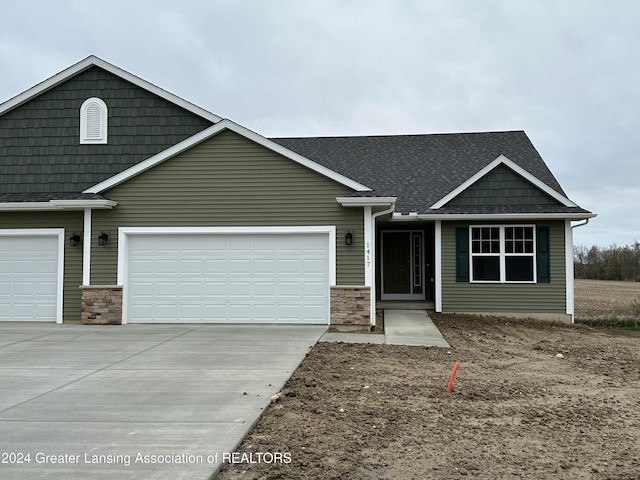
<point x="227" y="278"/>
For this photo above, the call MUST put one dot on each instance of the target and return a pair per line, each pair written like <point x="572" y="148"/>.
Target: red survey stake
<point x="452" y="377"/>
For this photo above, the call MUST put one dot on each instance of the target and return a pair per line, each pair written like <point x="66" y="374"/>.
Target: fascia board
<point x="502" y="160"/>
<point x="25" y="206"/>
<point x="82" y="204"/>
<point x="89" y="62"/>
<point x="57" y="205"/>
<point x="503" y="216"/>
<point x="366" y="201"/>
<point x="210" y="132"/>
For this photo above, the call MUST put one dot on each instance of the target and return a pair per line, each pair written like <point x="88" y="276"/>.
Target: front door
<point x="402" y="265"/>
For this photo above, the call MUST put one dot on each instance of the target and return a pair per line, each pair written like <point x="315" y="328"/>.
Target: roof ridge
<point x="490" y="132"/>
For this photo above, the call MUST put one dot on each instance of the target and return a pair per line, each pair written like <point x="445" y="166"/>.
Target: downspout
<point x="374" y="217"/>
<point x="586" y="220"/>
<point x="570" y="268"/>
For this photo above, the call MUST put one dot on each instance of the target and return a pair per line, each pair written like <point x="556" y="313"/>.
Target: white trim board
<point x="502" y="160"/>
<point x="92" y="61"/>
<point x="438" y="266"/>
<point x="501" y="217"/>
<point x="366" y="201"/>
<point x="569" y="269"/>
<point x="210" y="132"/>
<point x="58" y="205"/>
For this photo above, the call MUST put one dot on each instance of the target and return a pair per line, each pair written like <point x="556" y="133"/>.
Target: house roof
<point x="421" y="170"/>
<point x="422" y="173"/>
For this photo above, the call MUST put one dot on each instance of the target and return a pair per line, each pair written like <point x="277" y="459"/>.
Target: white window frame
<point x="502" y="254"/>
<point x="86" y="135"/>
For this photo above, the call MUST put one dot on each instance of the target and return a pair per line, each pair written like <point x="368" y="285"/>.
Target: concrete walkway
<point x="402" y="327"/>
<point x="137" y="401"/>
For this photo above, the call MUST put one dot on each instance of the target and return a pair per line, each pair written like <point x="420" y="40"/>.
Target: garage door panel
<point x="228" y="278"/>
<point x="29" y="277"/>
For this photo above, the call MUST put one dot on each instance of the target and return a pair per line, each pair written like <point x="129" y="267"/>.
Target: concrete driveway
<point x="136" y="401"/>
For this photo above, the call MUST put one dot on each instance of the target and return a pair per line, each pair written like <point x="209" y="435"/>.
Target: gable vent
<point x="93" y="121"/>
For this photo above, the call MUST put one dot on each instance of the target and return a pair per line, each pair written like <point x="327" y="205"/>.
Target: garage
<point x="31" y="264"/>
<point x="219" y="275"/>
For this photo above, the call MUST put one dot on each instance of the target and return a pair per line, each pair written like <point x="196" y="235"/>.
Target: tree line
<point x="608" y="263"/>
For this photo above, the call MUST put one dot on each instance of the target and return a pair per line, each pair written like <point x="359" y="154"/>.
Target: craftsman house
<point x="123" y="203"/>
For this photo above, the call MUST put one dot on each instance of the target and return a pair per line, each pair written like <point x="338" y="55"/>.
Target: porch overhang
<point x="367" y="201"/>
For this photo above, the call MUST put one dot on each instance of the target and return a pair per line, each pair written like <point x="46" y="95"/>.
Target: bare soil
<point x="605" y="299"/>
<point x="517" y="408"/>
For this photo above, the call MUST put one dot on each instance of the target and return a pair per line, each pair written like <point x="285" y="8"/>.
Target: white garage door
<point x="29" y="278"/>
<point x="228" y="278"/>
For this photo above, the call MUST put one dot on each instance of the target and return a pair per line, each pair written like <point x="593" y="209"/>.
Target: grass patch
<point x="611" y="322"/>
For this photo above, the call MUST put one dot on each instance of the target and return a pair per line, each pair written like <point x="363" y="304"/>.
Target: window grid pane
<point x="485" y="240"/>
<point x="512" y="246"/>
<point x="518" y="240"/>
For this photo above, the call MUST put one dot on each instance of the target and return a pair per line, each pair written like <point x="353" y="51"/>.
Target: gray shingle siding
<point x="502" y="186"/>
<point x="40" y="150"/>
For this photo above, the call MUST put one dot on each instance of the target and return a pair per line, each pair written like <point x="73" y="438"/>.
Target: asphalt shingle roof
<point x="421" y="169"/>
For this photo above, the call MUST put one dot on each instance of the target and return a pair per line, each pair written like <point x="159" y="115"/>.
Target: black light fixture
<point x="348" y="238"/>
<point x="103" y="239"/>
<point x="74" y="240"/>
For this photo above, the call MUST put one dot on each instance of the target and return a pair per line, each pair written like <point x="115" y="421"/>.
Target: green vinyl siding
<point x="71" y="222"/>
<point x="227" y="181"/>
<point x="504" y="297"/>
<point x="502" y="186"/>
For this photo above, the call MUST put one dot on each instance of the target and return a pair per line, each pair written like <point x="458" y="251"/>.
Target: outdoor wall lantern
<point x="103" y="239"/>
<point x="74" y="240"/>
<point x="348" y="238"/>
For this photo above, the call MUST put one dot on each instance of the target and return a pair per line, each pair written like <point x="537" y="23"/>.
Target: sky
<point x="567" y="72"/>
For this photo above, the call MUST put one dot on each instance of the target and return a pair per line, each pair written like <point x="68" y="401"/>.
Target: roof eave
<point x="366" y="201"/>
<point x="499" y="216"/>
<point x="97" y="204"/>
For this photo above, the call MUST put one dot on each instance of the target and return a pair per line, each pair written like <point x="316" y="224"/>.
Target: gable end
<point x="502" y="186"/>
<point x="512" y="171"/>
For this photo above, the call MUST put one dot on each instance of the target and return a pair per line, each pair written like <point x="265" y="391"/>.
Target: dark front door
<point x="402" y="265"/>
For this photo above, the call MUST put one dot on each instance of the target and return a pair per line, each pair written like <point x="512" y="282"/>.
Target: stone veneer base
<point x="101" y="304"/>
<point x="350" y="305"/>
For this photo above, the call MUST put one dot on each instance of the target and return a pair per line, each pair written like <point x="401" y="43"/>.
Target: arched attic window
<point x="93" y="121"/>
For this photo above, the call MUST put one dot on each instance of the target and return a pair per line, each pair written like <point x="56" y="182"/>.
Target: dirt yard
<point x="604" y="299"/>
<point x="534" y="400"/>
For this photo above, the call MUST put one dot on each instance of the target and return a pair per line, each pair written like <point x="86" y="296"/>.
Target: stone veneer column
<point x="350" y="305"/>
<point x="101" y="304"/>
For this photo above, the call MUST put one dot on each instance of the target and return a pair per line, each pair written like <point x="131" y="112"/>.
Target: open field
<point x="517" y="410"/>
<point x="604" y="299"/>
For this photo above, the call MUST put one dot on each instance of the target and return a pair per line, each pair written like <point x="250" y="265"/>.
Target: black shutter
<point x="462" y="254"/>
<point x="543" y="256"/>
